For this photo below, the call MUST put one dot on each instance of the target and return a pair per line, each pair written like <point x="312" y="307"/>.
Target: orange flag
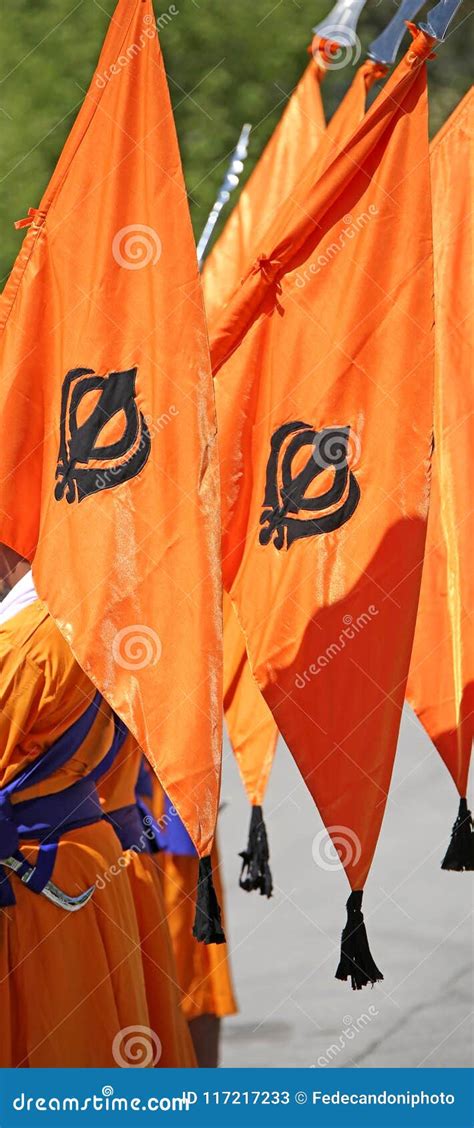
<point x="441" y="680"/>
<point x="252" y="730"/>
<point x="291" y="143"/>
<point x="324" y="363"/>
<point x="108" y="462"/>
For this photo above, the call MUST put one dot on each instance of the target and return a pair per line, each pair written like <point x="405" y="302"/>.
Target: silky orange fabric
<point x="324" y="364"/>
<point x="252" y="731"/>
<point x="441" y="679"/>
<point x="295" y="137"/>
<point x="117" y="789"/>
<point x="70" y="983"/>
<point x="108" y="462"/>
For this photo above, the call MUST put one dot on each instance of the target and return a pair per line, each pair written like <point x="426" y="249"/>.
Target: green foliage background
<point x="228" y="61"/>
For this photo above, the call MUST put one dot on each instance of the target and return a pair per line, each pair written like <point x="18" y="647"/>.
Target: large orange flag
<point x="108" y="460"/>
<point x="441" y="679"/>
<point x="252" y="731"/>
<point x="324" y="363"/>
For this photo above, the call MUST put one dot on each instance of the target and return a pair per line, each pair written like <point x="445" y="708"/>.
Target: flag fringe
<point x="356" y="962"/>
<point x="256" y="872"/>
<point x="207" y="922"/>
<point x="460" y="853"/>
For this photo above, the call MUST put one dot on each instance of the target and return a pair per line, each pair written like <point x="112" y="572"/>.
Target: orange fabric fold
<point x="296" y="136"/>
<point x="441" y="680"/>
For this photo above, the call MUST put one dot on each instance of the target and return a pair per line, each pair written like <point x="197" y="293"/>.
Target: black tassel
<point x="255" y="859"/>
<point x="356" y="962"/>
<point x="207" y="922"/>
<point x="460" y="853"/>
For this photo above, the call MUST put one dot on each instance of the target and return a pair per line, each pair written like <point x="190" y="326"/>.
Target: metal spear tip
<point x="439" y="18"/>
<point x="384" y="48"/>
<point x="340" y="24"/>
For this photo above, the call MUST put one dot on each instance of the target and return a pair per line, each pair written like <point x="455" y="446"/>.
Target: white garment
<point x="21" y="595"/>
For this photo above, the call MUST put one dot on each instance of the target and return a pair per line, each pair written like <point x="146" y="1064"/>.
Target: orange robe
<point x="117" y="790"/>
<point x="204" y="974"/>
<point x="72" y="985"/>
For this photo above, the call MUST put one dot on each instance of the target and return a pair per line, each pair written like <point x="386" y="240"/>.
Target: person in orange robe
<point x="204" y="973"/>
<point x="118" y="798"/>
<point x="73" y="990"/>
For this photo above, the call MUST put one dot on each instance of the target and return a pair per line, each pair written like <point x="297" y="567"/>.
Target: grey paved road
<point x="284" y="951"/>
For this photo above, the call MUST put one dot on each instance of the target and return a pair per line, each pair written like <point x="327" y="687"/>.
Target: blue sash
<point x="46" y="818"/>
<point x="169" y="832"/>
<point x="144" y="782"/>
<point x="174" y="837"/>
<point x="135" y="828"/>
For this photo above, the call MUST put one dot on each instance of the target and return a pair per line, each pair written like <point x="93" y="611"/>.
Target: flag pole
<point x="229" y="183"/>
